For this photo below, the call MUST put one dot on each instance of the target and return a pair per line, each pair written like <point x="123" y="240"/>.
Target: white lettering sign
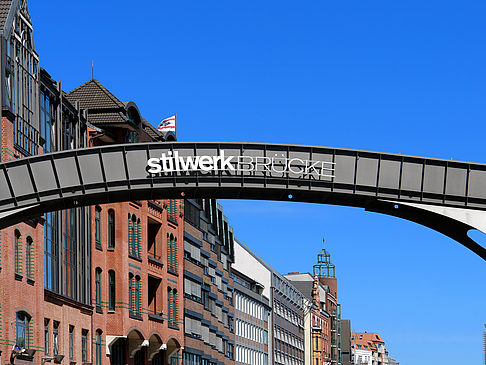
<point x="172" y="163"/>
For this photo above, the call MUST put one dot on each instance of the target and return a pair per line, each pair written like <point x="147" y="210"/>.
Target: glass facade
<point x="21" y="82"/>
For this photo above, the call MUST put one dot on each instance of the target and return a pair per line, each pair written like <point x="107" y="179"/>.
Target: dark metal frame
<point x="378" y="182"/>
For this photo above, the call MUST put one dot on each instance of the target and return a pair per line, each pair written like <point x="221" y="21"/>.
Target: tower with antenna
<point x="324" y="267"/>
<point x="325" y="271"/>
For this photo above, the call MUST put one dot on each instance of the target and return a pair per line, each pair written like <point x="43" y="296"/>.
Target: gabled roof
<point x="93" y="95"/>
<point x="151" y="130"/>
<point x="107" y="118"/>
<point x="369" y="336"/>
<point x="4" y="9"/>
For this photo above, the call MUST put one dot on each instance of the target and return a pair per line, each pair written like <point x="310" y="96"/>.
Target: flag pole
<point x="175" y="124"/>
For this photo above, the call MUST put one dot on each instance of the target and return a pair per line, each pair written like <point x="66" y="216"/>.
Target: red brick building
<point x="317" y="318"/>
<point x="321" y="327"/>
<point x="94" y="285"/>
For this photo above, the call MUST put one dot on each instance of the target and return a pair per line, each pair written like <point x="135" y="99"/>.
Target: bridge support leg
<point x="453" y="222"/>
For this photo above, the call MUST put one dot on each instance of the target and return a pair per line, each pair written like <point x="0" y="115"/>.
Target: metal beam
<point x="424" y="187"/>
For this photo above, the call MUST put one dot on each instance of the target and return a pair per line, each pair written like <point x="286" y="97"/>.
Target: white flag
<point x="168" y="125"/>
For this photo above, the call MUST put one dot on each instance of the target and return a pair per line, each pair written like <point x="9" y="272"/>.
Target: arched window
<point x="171" y="253"/>
<point x="139" y="238"/>
<point x="98" y="347"/>
<point x="174" y="254"/>
<point x="29" y="257"/>
<point x="172" y="306"/>
<point x="111" y="290"/>
<point x="131" y="292"/>
<point x="169" y="304"/>
<point x="133" y="237"/>
<point x="111" y="228"/>
<point x="98" y="287"/>
<point x="18" y="250"/>
<point x="138" y="295"/>
<point x="22" y="330"/>
<point x="129" y="233"/>
<point x="98" y="226"/>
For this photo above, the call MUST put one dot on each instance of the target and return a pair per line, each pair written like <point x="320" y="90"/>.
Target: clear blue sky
<point x="393" y="76"/>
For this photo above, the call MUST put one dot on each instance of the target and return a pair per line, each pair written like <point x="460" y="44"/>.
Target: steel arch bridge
<point x="447" y="196"/>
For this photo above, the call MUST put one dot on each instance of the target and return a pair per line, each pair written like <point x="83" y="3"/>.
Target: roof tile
<point x="4" y="9"/>
<point x="93" y="95"/>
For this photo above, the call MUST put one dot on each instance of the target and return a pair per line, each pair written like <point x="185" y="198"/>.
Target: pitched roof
<point x="107" y="118"/>
<point x="4" y="9"/>
<point x="364" y="345"/>
<point x="93" y="95"/>
<point x="369" y="336"/>
<point x="151" y="130"/>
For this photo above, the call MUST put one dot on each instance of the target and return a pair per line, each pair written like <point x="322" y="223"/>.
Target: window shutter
<point x="196" y="290"/>
<point x="205" y="333"/>
<point x="196" y="253"/>
<point x="188" y="325"/>
<point x="187" y="247"/>
<point x="187" y="286"/>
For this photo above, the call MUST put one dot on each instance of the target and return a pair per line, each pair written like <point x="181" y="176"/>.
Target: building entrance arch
<point x="447" y="196"/>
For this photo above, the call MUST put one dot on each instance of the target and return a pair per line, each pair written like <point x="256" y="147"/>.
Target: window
<point x="134" y="236"/>
<point x="172" y="306"/>
<point x="169" y="305"/>
<point x="130" y="291"/>
<point x="51" y="251"/>
<point x="172" y="210"/>
<point x="22" y="90"/>
<point x="98" y="287"/>
<point x="22" y="334"/>
<point x="131" y="137"/>
<point x="29" y="258"/>
<point x="135" y="294"/>
<point x="69" y="253"/>
<point x="98" y="347"/>
<point x="171" y="253"/>
<point x="138" y="238"/>
<point x="98" y="227"/>
<point x="138" y="295"/>
<point x="111" y="228"/>
<point x="46" y="336"/>
<point x="191" y="214"/>
<point x="192" y="290"/>
<point x="230" y="351"/>
<point x="205" y="299"/>
<point x="111" y="290"/>
<point x="18" y="249"/>
<point x="84" y="345"/>
<point x="71" y="342"/>
<point x="55" y="338"/>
